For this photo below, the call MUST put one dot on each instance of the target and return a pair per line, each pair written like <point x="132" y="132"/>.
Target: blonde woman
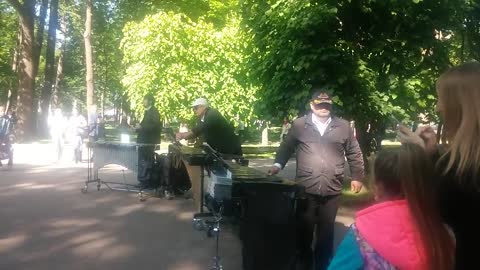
<point x="458" y="165"/>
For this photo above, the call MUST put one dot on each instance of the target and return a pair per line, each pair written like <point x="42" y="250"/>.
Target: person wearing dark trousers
<point x="322" y="143"/>
<point x="148" y="132"/>
<point x="215" y="130"/>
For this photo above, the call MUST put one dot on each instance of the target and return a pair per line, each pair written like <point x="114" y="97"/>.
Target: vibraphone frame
<point x="264" y="201"/>
<point x="92" y="173"/>
<point x="194" y="157"/>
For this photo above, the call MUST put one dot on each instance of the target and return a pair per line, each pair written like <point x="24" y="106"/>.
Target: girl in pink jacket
<point x="403" y="230"/>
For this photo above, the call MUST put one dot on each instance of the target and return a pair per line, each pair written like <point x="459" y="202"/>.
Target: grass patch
<point x="270" y="155"/>
<point x="356" y="200"/>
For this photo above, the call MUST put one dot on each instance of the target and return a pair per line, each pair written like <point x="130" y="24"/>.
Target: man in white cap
<point x="214" y="128"/>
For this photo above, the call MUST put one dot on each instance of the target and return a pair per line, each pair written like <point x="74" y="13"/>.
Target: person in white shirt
<point x="78" y="128"/>
<point x="321" y="143"/>
<point x="57" y="124"/>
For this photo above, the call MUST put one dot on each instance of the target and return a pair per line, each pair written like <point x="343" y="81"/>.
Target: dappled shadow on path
<point x="47" y="223"/>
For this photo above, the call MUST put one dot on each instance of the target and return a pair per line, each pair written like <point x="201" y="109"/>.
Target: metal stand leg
<point x="202" y="180"/>
<point x="210" y="223"/>
<point x="89" y="172"/>
<point x="92" y="174"/>
<point x="216" y="262"/>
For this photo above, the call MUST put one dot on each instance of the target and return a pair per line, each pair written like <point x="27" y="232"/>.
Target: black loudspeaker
<point x="268" y="231"/>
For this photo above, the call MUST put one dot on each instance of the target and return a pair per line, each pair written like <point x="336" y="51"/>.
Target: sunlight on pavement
<point x="40" y="186"/>
<point x="61" y="231"/>
<point x="73" y="222"/>
<point x="186" y="265"/>
<point x="12" y="242"/>
<point x="125" y="210"/>
<point x="87" y="237"/>
<point x="21" y="185"/>
<point x="93" y="247"/>
<point x="116" y="252"/>
<point x="108" y="199"/>
<point x="185" y="216"/>
<point x="163" y="208"/>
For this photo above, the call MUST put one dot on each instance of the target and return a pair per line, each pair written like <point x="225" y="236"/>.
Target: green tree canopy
<point x="8" y="36"/>
<point x="178" y="60"/>
<point x="380" y="58"/>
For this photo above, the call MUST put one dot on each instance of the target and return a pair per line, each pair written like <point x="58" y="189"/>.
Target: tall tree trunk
<point x="37" y="50"/>
<point x="49" y="65"/>
<point x="105" y="82"/>
<point x="26" y="79"/>
<point x="59" y="77"/>
<point x="39" y="36"/>
<point x="12" y="92"/>
<point x="88" y="53"/>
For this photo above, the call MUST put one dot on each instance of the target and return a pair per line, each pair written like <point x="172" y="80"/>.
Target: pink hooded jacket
<point x="389" y="228"/>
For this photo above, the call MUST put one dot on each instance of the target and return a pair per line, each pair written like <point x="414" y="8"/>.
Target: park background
<point x="255" y="61"/>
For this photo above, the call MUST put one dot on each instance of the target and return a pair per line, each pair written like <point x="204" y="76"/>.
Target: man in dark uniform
<point x="148" y="132"/>
<point x="321" y="142"/>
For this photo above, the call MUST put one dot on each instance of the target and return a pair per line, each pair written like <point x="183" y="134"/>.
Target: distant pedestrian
<point x="78" y="129"/>
<point x="92" y="121"/>
<point x="58" y="125"/>
<point x="285" y="128"/>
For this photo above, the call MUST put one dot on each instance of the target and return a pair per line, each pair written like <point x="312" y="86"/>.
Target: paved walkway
<point x="47" y="223"/>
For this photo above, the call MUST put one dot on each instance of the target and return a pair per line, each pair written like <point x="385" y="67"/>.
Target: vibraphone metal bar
<point x="246" y="176"/>
<point x="127" y="155"/>
<point x="193" y="155"/>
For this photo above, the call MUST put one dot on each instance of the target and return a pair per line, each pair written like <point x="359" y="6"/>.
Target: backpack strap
<point x="372" y="260"/>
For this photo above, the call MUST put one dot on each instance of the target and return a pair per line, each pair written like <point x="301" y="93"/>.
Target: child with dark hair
<point x="403" y="230"/>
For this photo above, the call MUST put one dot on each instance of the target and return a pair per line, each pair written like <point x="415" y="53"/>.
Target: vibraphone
<point x="127" y="155"/>
<point x="244" y="179"/>
<point x="193" y="155"/>
<point x="267" y="217"/>
<point x="267" y="207"/>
